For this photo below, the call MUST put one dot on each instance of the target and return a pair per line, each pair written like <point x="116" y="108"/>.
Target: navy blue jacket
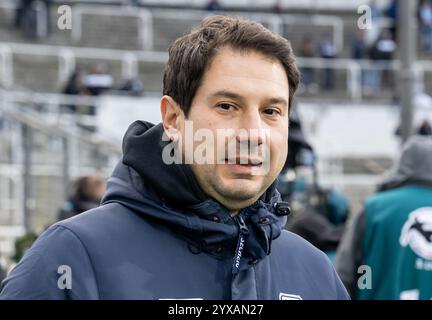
<point x="157" y="236"/>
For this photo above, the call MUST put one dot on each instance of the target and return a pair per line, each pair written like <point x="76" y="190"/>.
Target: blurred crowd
<point x="96" y="82"/>
<point x="376" y="44"/>
<point x="393" y="232"/>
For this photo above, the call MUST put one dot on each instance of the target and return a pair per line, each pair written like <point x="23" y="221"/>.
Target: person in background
<point x="308" y="73"/>
<point x="86" y="194"/>
<point x="213" y="5"/>
<point x="358" y="51"/>
<point x="358" y="48"/>
<point x="392" y="13"/>
<point x="98" y="80"/>
<point x="393" y="234"/>
<point x="372" y="33"/>
<point x="95" y="83"/>
<point x="328" y="51"/>
<point x="278" y="7"/>
<point x="132" y="86"/>
<point x="318" y="214"/>
<point x="425" y="128"/>
<point x="74" y="86"/>
<point x="381" y="55"/>
<point x="21" y="10"/>
<point x="425" y="17"/>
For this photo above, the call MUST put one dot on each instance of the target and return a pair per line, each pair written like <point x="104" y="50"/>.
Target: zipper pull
<point x="244" y="231"/>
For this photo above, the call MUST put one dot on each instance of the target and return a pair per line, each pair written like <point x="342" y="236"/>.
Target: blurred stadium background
<point x="52" y="130"/>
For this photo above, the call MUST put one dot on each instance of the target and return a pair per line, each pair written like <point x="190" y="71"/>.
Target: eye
<point x="226" y="106"/>
<point x="272" y="112"/>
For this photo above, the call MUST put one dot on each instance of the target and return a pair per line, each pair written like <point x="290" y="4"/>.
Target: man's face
<point x="247" y="93"/>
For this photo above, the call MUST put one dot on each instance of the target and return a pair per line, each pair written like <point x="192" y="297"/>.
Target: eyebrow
<point x="235" y="96"/>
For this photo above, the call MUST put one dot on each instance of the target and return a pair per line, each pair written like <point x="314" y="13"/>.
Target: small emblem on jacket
<point x="417" y="232"/>
<point x="287" y="296"/>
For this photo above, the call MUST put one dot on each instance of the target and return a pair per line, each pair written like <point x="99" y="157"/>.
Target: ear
<point x="172" y="117"/>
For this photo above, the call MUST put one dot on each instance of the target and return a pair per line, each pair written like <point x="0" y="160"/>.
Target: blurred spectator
<point x="95" y="83"/>
<point x="358" y="48"/>
<point x="422" y="105"/>
<point x="328" y="51"/>
<point x="371" y="34"/>
<point x="98" y="80"/>
<point x="28" y="17"/>
<point x="132" y="86"/>
<point x="308" y="73"/>
<point x="425" y="128"/>
<point x="392" y="14"/>
<point x="48" y="4"/>
<point x="277" y="8"/>
<point x="381" y="54"/>
<point x="425" y="15"/>
<point x="86" y="194"/>
<point x="21" y="12"/>
<point x="318" y="214"/>
<point x="358" y="52"/>
<point x="384" y="47"/>
<point x="74" y="86"/>
<point x="213" y="5"/>
<point x="393" y="234"/>
<point x="134" y="3"/>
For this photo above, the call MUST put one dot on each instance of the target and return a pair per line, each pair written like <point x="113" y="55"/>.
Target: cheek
<point x="278" y="149"/>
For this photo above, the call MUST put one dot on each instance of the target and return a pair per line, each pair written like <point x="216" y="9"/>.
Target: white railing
<point x="130" y="59"/>
<point x="68" y="55"/>
<point x="320" y="20"/>
<point x="145" y="17"/>
<point x="275" y="22"/>
<point x="353" y="68"/>
<point x="63" y="130"/>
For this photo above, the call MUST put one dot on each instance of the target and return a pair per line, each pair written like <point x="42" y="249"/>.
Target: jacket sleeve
<point x="57" y="266"/>
<point x="341" y="291"/>
<point x="349" y="255"/>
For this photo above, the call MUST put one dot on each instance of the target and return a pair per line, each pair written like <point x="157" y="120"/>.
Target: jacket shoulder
<point x="96" y="218"/>
<point x="311" y="264"/>
<point x="57" y="266"/>
<point x="296" y="245"/>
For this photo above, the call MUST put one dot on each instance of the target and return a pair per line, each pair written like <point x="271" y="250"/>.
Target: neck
<point x="234" y="213"/>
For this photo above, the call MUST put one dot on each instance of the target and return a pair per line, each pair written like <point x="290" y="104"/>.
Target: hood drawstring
<point x="244" y="231"/>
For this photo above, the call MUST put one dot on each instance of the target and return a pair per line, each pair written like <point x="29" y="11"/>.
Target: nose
<point x="251" y="129"/>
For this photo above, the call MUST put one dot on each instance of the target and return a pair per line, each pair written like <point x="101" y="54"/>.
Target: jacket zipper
<point x="244" y="231"/>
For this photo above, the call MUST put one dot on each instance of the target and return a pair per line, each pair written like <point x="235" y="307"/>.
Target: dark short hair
<point x="191" y="54"/>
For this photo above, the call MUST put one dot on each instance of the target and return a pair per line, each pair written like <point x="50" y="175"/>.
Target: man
<point x="392" y="238"/>
<point x="206" y="230"/>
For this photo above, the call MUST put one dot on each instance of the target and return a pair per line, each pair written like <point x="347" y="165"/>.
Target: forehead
<point x="234" y="69"/>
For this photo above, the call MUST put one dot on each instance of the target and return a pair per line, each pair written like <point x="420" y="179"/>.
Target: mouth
<point x="244" y="161"/>
<point x="244" y="166"/>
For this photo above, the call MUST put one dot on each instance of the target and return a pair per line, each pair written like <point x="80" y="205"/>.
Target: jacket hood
<point x="414" y="165"/>
<point x="170" y="196"/>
